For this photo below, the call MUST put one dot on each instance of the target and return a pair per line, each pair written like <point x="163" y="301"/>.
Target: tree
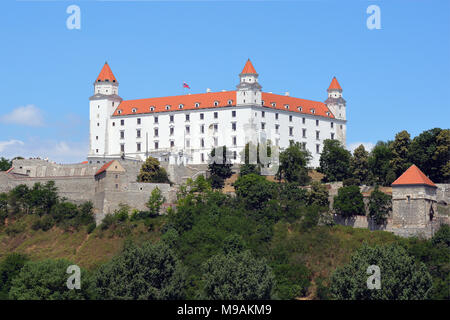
<point x="401" y="277"/>
<point x="359" y="164"/>
<point x="349" y="202"/>
<point x="381" y="172"/>
<point x="237" y="276"/>
<point x="219" y="167"/>
<point x="9" y="268"/>
<point x="155" y="202"/>
<point x="5" y="164"/>
<point x="3" y="207"/>
<point x="47" y="280"/>
<point x="293" y="164"/>
<point x="400" y="148"/>
<point x="254" y="191"/>
<point x="334" y="161"/>
<point x="149" y="272"/>
<point x="442" y="156"/>
<point x="380" y="204"/>
<point x="151" y="171"/>
<point x="318" y="195"/>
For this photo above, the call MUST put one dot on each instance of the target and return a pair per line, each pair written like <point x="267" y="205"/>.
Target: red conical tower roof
<point x="413" y="176"/>
<point x="106" y="74"/>
<point x="334" y="85"/>
<point x="248" y="68"/>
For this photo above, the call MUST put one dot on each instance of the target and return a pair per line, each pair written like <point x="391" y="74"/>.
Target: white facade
<point x="188" y="136"/>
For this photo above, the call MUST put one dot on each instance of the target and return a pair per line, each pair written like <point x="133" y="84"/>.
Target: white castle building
<point x="185" y="128"/>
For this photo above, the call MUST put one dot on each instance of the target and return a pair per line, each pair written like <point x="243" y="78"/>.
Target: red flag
<point x="185" y="85"/>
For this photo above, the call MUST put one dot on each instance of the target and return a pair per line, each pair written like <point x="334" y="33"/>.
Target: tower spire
<point x="106" y="74"/>
<point x="248" y="68"/>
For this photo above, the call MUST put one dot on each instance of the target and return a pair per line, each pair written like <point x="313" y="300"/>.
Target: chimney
<point x="286" y="93"/>
<point x="208" y="90"/>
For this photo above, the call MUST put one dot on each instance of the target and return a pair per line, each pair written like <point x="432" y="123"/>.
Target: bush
<point x="91" y="227"/>
<point x="292" y="281"/>
<point x="349" y="202"/>
<point x="9" y="268"/>
<point x="380" y="204"/>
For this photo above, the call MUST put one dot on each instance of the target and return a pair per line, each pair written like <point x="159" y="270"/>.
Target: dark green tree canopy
<point x="401" y="277"/>
<point x="219" y="167"/>
<point x="349" y="202"/>
<point x="5" y="164"/>
<point x="381" y="172"/>
<point x="359" y="165"/>
<point x="399" y="148"/>
<point x="334" y="161"/>
<point x="293" y="164"/>
<point x="151" y="171"/>
<point x="380" y="205"/>
<point x="254" y="190"/>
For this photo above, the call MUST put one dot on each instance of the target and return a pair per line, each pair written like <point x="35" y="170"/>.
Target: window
<point x="274" y="104"/>
<point x="202" y="142"/>
<point x="313" y="111"/>
<point x="152" y="108"/>
<point x="171" y="118"/>
<point x="172" y="129"/>
<point x="317" y="135"/>
<point x="263" y="114"/>
<point x="156" y="132"/>
<point x="202" y="128"/>
<point x="119" y="111"/>
<point x="290" y="118"/>
<point x="122" y="147"/>
<point x="134" y="110"/>
<point x="122" y="122"/>
<point x="138" y="146"/>
<point x="156" y="119"/>
<point x="216" y="115"/>
<point x="233" y="113"/>
<point x="291" y="131"/>
<point x="262" y="102"/>
<point x="277" y="127"/>
<point x="304" y="133"/>
<point x="188" y="129"/>
<point x="286" y="106"/>
<point x="304" y="120"/>
<point x="233" y="126"/>
<point x="304" y="145"/>
<point x="216" y="103"/>
<point x="117" y="186"/>
<point x="114" y="124"/>
<point x="299" y="109"/>
<point x="340" y="126"/>
<point x="234" y="155"/>
<point x="202" y="116"/>
<point x="138" y="133"/>
<point x="122" y="134"/>
<point x="263" y="125"/>
<point x="234" y="141"/>
<point x="168" y="107"/>
<point x="180" y="106"/>
<point x="276" y="116"/>
<point x="216" y="127"/>
<point x="172" y="143"/>
<point x="230" y="102"/>
<point x="98" y="124"/>
<point x="187" y="117"/>
<point x="332" y="124"/>
<point x="317" y="148"/>
<point x="202" y="157"/>
<point x="317" y="123"/>
<point x="96" y="150"/>
<point x="96" y="137"/>
<point x="332" y="136"/>
<point x="138" y="120"/>
<point x="197" y="105"/>
<point x="156" y="144"/>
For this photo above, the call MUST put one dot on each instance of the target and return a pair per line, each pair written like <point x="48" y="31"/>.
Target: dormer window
<point x="328" y="114"/>
<point x="119" y="111"/>
<point x="216" y="103"/>
<point x="152" y="108"/>
<point x="230" y="102"/>
<point x="262" y="102"/>
<point x="180" y="106"/>
<point x="300" y="109"/>
<point x="274" y="104"/>
<point x="197" y="105"/>
<point x="286" y="106"/>
<point x="133" y="110"/>
<point x="114" y="80"/>
<point x="168" y="107"/>
<point x="313" y="111"/>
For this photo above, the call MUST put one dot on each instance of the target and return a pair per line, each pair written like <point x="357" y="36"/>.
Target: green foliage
<point x="349" y="202"/>
<point x="247" y="168"/>
<point x="219" y="167"/>
<point x="293" y="164"/>
<point x="155" y="202"/>
<point x="254" y="191"/>
<point x="359" y="165"/>
<point x="45" y="223"/>
<point x="117" y="218"/>
<point x="381" y="172"/>
<point x="442" y="236"/>
<point x="292" y="281"/>
<point x="149" y="272"/>
<point x="351" y="182"/>
<point x="5" y="164"/>
<point x="47" y="280"/>
<point x="91" y="227"/>
<point x="380" y="205"/>
<point x="399" y="161"/>
<point x="3" y="207"/>
<point x="334" y="161"/>
<point x="10" y="267"/>
<point x="318" y="195"/>
<point x="151" y="171"/>
<point x="401" y="277"/>
<point x="237" y="276"/>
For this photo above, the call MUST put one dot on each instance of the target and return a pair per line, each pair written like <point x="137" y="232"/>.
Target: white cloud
<point x="58" y="151"/>
<point x="367" y="145"/>
<point x="28" y="115"/>
<point x="5" y="144"/>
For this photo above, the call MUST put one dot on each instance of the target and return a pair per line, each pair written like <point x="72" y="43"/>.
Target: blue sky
<point x="393" y="79"/>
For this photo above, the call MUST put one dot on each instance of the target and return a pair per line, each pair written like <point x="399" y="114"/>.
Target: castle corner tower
<point x="248" y="90"/>
<point x="337" y="105"/>
<point x="101" y="106"/>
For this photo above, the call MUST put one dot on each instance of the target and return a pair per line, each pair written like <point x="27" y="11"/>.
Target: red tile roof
<point x="106" y="74"/>
<point x="207" y="101"/>
<point x="334" y="85"/>
<point x="85" y="162"/>
<point x="104" y="167"/>
<point x="413" y="176"/>
<point x="248" y="68"/>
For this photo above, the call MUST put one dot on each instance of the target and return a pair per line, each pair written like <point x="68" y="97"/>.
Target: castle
<point x="185" y="128"/>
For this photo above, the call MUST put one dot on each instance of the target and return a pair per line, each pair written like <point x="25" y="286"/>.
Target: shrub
<point x="380" y="204"/>
<point x="91" y="227"/>
<point x="349" y="202"/>
<point x="9" y="269"/>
